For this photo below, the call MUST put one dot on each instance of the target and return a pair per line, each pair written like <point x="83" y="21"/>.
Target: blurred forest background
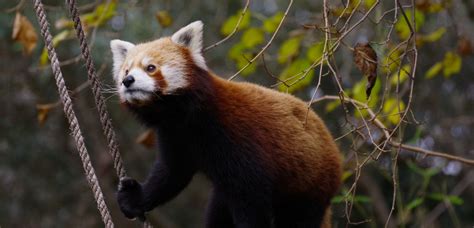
<point x="420" y="52"/>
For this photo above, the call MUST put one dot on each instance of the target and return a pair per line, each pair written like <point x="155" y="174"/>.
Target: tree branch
<point x="387" y="134"/>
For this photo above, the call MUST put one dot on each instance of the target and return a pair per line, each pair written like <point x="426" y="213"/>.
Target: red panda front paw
<point x="130" y="198"/>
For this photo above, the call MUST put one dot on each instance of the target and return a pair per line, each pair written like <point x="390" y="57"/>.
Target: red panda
<point x="272" y="162"/>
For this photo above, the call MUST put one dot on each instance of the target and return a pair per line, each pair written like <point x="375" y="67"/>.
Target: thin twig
<point x="76" y="90"/>
<point x="18" y="7"/>
<point x="269" y="73"/>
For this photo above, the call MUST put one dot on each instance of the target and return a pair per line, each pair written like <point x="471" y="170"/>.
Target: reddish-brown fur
<point x="299" y="149"/>
<point x="159" y="79"/>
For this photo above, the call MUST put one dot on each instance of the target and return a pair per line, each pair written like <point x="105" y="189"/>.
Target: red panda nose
<point x="128" y="81"/>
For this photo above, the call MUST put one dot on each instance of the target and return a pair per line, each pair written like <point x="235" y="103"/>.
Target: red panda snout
<point x="136" y="86"/>
<point x="128" y="81"/>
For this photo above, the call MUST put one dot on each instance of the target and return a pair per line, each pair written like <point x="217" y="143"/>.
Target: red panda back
<point x="298" y="148"/>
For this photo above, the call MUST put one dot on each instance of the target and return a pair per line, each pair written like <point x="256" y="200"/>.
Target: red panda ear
<point x="190" y="36"/>
<point x="119" y="49"/>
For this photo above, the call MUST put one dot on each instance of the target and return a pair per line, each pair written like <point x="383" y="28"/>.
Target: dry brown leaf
<point x="43" y="111"/>
<point x="24" y="32"/>
<point x="365" y="60"/>
<point x="464" y="46"/>
<point x="164" y="18"/>
<point x="147" y="138"/>
<point x="423" y="5"/>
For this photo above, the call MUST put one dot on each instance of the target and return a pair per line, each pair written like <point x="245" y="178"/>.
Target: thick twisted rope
<point x="71" y="116"/>
<point x="96" y="90"/>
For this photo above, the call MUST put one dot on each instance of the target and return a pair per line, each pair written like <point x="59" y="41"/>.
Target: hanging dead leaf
<point x="147" y="138"/>
<point x="24" y="33"/>
<point x="43" y="111"/>
<point x="164" y="18"/>
<point x="365" y="60"/>
<point x="464" y="46"/>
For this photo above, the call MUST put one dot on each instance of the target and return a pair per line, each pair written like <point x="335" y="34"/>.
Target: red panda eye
<point x="150" y="68"/>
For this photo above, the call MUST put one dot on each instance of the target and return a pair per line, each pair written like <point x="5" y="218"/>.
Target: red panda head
<point x="160" y="67"/>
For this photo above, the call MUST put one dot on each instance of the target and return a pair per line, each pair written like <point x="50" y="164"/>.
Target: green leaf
<point x="164" y="18"/>
<point x="346" y="174"/>
<point x="243" y="61"/>
<point x="356" y="199"/>
<point x="252" y="37"/>
<point x="374" y="97"/>
<point x="369" y="3"/>
<point x="315" y="52"/>
<point x="236" y="51"/>
<point x="431" y="172"/>
<point x="402" y="26"/>
<point x="271" y="24"/>
<point x="358" y="91"/>
<point x="229" y="25"/>
<point x="391" y="61"/>
<point x="43" y="60"/>
<point x="338" y="199"/>
<point x="63" y="23"/>
<point x="434" y="70"/>
<point x="240" y="54"/>
<point x="437" y="196"/>
<point x="416" y="136"/>
<point x="293" y="75"/>
<point x="452" y="64"/>
<point x="345" y="11"/>
<point x="331" y="106"/>
<point x="411" y="165"/>
<point x="426" y="173"/>
<point x="58" y="38"/>
<point x="436" y="35"/>
<point x="101" y="14"/>
<point x="404" y="74"/>
<point x="362" y="199"/>
<point x="289" y="49"/>
<point x="456" y="200"/>
<point x="392" y="109"/>
<point x="436" y="7"/>
<point x="414" y="203"/>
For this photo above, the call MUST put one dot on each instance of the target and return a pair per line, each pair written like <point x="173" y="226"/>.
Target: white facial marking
<point x="141" y="89"/>
<point x="175" y="78"/>
<point x="146" y="61"/>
